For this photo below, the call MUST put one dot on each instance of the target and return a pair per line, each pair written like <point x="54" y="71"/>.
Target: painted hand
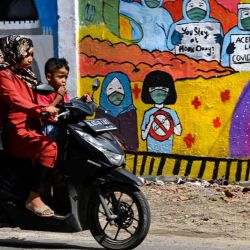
<point x="176" y="38"/>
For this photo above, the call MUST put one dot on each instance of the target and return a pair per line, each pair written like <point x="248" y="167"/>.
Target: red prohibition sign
<point x="167" y="132"/>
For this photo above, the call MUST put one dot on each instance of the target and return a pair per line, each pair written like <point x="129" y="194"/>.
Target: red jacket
<point x="18" y="100"/>
<point x="18" y="109"/>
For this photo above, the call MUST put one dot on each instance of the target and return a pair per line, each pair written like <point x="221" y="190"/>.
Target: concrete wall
<point x="67" y="36"/>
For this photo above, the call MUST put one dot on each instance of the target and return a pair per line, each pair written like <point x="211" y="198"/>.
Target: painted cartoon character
<point x="153" y="19"/>
<point x="116" y="104"/>
<point x="159" y="123"/>
<point x="243" y="28"/>
<point x="195" y="12"/>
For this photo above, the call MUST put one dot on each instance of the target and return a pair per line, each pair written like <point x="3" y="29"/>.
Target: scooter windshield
<point x="87" y="108"/>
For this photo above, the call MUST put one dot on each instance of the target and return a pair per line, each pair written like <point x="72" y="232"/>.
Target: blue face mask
<point x="116" y="98"/>
<point x="196" y="14"/>
<point x="245" y="23"/>
<point x="158" y="96"/>
<point x="152" y="3"/>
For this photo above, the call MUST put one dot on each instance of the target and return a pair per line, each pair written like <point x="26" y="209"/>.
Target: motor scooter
<point x="90" y="190"/>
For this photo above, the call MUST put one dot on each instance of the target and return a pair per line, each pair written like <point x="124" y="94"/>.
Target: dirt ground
<point x="185" y="215"/>
<point x="199" y="209"/>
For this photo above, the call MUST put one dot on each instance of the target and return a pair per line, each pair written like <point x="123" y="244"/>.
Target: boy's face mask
<point x="196" y="10"/>
<point x="115" y="92"/>
<point x="158" y="94"/>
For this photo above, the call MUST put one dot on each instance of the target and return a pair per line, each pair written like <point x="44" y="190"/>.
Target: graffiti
<point x="209" y="168"/>
<point x="137" y="63"/>
<point x="240" y="58"/>
<point x="116" y="104"/>
<point x="235" y="49"/>
<point x="198" y="40"/>
<point x="240" y="126"/>
<point x="197" y="35"/>
<point x="204" y="46"/>
<point x="100" y="11"/>
<point x="153" y="20"/>
<point x="159" y="123"/>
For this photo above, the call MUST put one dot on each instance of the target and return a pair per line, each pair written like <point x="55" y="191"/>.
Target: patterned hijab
<point x="13" y="49"/>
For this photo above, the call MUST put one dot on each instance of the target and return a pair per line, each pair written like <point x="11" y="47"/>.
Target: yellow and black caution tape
<point x="207" y="168"/>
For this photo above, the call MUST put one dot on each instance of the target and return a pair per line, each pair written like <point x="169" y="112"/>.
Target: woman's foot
<point x="35" y="204"/>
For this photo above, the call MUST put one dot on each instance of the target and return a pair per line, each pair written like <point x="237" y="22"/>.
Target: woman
<point x="20" y="116"/>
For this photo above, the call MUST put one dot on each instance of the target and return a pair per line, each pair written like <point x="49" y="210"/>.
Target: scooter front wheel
<point x="131" y="217"/>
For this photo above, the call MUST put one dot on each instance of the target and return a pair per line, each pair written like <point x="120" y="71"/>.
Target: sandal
<point x="43" y="211"/>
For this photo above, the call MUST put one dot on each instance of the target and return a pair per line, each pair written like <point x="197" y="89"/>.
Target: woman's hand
<point x="52" y="110"/>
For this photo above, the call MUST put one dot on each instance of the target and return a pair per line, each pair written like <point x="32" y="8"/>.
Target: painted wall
<point x="175" y="80"/>
<point x="174" y="75"/>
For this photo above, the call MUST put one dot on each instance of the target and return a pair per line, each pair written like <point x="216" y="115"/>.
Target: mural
<point x="154" y="22"/>
<point x="196" y="35"/>
<point x="174" y="76"/>
<point x="236" y="44"/>
<point x="36" y="19"/>
<point x="184" y="67"/>
<point x="116" y="104"/>
<point x="159" y="123"/>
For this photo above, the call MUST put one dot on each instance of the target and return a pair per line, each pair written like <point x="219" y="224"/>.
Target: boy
<point x="56" y="72"/>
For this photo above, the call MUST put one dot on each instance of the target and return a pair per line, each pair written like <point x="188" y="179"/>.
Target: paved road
<point x="17" y="239"/>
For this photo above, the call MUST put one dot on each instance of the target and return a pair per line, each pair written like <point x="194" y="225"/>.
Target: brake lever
<point x="64" y="114"/>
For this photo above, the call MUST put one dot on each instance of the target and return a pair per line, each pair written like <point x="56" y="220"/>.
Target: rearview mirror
<point x="43" y="89"/>
<point x="96" y="84"/>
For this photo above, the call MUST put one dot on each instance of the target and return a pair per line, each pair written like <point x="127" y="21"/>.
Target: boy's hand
<point x="62" y="90"/>
<point x="86" y="98"/>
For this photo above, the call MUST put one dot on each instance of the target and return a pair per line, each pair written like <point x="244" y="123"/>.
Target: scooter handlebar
<point x="45" y="114"/>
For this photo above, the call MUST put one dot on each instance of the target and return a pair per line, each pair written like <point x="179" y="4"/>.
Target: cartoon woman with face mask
<point x="243" y="28"/>
<point x="116" y="104"/>
<point x="159" y="123"/>
<point x="194" y="11"/>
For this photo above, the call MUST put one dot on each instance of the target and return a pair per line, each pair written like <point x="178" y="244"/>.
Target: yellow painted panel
<point x="222" y="169"/>
<point x="233" y="170"/>
<point x="156" y="165"/>
<point x="243" y="171"/>
<point x="183" y="167"/>
<point x="168" y="167"/>
<point x="130" y="162"/>
<point x="208" y="173"/>
<point x="147" y="165"/>
<point x="195" y="169"/>
<point x="138" y="164"/>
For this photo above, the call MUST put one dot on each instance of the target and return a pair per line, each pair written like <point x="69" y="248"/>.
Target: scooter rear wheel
<point x="130" y="207"/>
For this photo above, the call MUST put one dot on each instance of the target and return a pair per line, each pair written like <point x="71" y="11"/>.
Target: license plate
<point x="100" y="125"/>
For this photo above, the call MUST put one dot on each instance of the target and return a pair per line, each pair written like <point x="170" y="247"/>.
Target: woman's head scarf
<point x="13" y="49"/>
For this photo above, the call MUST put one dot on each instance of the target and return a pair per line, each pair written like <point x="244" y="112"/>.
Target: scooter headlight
<point x="114" y="158"/>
